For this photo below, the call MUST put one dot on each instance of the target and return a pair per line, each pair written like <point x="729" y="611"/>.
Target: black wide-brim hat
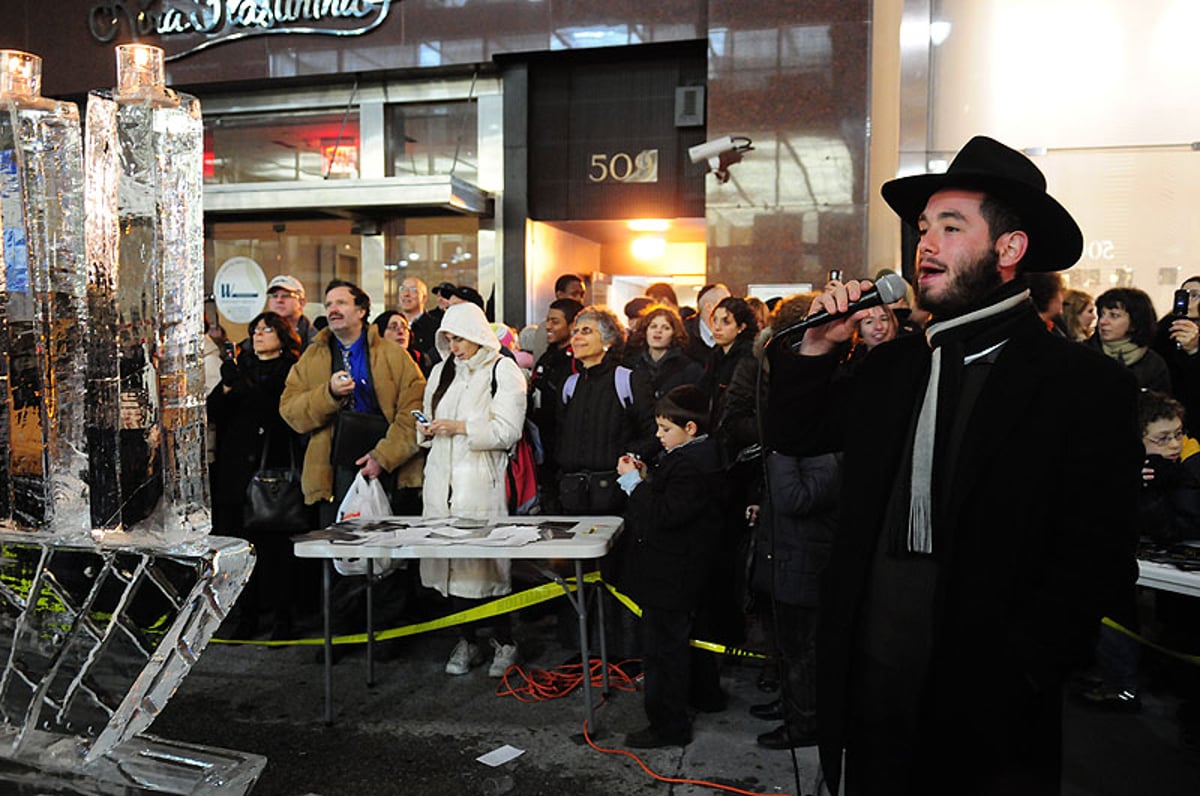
<point x="986" y="165"/>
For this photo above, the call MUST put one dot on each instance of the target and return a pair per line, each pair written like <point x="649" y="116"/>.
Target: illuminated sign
<point x="220" y="21"/>
<point x="339" y="160"/>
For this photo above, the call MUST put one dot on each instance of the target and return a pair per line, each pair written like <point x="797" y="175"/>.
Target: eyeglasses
<point x="263" y="330"/>
<point x="1164" y="439"/>
<point x="409" y="290"/>
<point x="582" y="331"/>
<point x="284" y="294"/>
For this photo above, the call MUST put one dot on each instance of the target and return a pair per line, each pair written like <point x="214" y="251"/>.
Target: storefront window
<point x="280" y="147"/>
<point x="432" y="138"/>
<point x="434" y="250"/>
<point x="314" y="252"/>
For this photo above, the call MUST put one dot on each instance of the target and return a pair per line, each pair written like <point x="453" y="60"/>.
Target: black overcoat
<point x="246" y="418"/>
<point x="673" y="525"/>
<point x="1036" y="537"/>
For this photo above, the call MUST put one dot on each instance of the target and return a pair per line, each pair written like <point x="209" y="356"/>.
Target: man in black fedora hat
<point x="990" y="478"/>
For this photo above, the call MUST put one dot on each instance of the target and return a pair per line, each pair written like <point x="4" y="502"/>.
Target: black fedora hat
<point x="986" y="165"/>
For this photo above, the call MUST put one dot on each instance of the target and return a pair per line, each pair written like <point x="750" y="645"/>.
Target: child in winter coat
<point x="674" y="523"/>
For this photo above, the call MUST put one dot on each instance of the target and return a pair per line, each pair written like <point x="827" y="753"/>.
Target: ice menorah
<point x="110" y="586"/>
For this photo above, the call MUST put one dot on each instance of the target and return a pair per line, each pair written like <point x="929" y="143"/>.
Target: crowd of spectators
<point x="658" y="419"/>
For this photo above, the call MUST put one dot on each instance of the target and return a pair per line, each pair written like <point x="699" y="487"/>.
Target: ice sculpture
<point x="95" y="639"/>
<point x="43" y="464"/>
<point x="145" y="250"/>
<point x="104" y="604"/>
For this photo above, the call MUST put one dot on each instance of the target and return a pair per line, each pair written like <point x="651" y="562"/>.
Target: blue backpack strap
<point x="621" y="376"/>
<point x="568" y="388"/>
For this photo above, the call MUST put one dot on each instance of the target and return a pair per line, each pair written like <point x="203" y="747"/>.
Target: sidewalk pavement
<point x="419" y="731"/>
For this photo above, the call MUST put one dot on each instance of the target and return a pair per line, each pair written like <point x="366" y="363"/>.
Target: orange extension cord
<point x="540" y="685"/>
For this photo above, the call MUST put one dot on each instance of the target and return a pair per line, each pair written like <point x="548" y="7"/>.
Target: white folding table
<point x="587" y="539"/>
<point x="1168" y="578"/>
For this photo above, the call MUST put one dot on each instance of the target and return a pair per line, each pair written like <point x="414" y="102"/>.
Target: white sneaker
<point x="464" y="656"/>
<point x="506" y="655"/>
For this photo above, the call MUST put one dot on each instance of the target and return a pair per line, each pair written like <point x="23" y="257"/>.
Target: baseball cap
<point x="444" y="289"/>
<point x="286" y="282"/>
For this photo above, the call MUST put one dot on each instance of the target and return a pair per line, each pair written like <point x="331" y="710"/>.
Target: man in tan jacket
<point x="349" y="366"/>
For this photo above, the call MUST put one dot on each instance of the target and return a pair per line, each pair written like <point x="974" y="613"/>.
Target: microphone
<point x="889" y="288"/>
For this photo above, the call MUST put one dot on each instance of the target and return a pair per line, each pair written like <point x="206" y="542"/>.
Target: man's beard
<point x="967" y="289"/>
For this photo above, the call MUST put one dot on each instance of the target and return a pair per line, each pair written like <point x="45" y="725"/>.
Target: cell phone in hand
<point x="229" y="351"/>
<point x="420" y="417"/>
<point x="1179" y="307"/>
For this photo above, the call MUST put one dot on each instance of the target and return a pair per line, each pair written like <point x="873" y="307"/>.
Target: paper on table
<point x="452" y="531"/>
<point x="500" y="756"/>
<point x="513" y="534"/>
<point x="410" y="535"/>
<point x="391" y="538"/>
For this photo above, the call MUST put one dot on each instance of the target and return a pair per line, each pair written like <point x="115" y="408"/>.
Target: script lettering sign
<point x="219" y="21"/>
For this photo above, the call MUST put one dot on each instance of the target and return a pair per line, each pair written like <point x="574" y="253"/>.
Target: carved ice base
<point x="94" y="639"/>
<point x="141" y="765"/>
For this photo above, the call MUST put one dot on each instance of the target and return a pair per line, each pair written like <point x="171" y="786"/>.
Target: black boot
<point x="768" y="711"/>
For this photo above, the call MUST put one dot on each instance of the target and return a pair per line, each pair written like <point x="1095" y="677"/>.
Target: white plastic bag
<point x="365" y="499"/>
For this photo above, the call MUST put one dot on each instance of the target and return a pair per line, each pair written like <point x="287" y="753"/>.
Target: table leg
<point x="370" y="623"/>
<point x="584" y="654"/>
<point x="601" y="599"/>
<point x="327" y="609"/>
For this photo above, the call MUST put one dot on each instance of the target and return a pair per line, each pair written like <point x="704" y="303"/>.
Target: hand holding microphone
<point x="832" y="316"/>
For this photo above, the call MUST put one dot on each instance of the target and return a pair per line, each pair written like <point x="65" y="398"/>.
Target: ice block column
<point x="145" y="258"/>
<point x="43" y="325"/>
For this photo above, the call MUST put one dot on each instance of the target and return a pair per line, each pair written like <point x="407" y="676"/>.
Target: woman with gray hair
<point x="605" y="411"/>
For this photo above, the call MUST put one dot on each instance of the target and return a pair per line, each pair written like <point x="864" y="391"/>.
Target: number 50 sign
<point x="623" y="167"/>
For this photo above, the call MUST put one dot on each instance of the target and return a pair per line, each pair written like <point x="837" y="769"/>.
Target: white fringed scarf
<point x="920" y="506"/>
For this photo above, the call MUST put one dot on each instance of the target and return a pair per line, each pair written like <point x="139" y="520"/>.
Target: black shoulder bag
<point x="274" y="499"/>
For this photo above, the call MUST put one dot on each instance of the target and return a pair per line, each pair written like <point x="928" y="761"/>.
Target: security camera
<point x="720" y="154"/>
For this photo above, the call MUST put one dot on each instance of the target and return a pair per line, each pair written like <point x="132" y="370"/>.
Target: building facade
<point x="498" y="143"/>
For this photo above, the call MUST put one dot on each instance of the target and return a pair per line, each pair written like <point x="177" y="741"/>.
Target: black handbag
<point x="274" y="498"/>
<point x="591" y="493"/>
<point x="356" y="434"/>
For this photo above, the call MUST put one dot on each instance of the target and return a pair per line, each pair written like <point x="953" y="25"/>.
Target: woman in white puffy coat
<point x="469" y="435"/>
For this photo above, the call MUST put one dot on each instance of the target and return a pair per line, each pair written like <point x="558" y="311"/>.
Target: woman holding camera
<point x="1178" y="343"/>
<point x="245" y="409"/>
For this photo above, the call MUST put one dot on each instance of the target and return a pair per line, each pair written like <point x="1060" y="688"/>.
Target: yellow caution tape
<point x="502" y="605"/>
<point x="1194" y="659"/>
<point x="710" y="646"/>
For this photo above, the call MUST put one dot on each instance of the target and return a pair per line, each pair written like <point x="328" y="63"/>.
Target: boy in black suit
<point x="673" y="524"/>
